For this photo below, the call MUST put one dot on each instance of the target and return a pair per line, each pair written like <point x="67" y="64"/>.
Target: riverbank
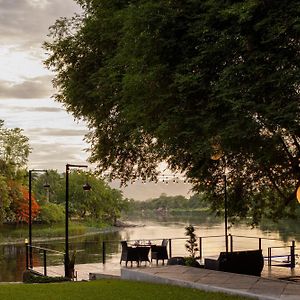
<point x="16" y="235"/>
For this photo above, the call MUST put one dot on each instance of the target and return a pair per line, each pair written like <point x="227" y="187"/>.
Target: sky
<point x="25" y="83"/>
<point x="26" y="90"/>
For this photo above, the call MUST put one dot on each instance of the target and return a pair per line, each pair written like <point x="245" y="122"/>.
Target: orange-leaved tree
<point x="20" y="203"/>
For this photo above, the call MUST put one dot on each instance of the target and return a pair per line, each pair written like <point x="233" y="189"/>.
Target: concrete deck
<point x="209" y="280"/>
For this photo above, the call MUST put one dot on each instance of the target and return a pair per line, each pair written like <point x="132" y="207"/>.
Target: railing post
<point x="231" y="242"/>
<point x="27" y="261"/>
<point x="269" y="256"/>
<point x="45" y="262"/>
<point x="200" y="247"/>
<point x="103" y="252"/>
<point x="293" y="263"/>
<point x="170" y="248"/>
<point x="259" y="243"/>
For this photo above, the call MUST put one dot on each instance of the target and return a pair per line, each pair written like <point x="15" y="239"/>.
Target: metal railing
<point x="291" y="255"/>
<point x="29" y="261"/>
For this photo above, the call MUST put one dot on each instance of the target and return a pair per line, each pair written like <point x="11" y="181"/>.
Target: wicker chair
<point x="129" y="254"/>
<point x="159" y="252"/>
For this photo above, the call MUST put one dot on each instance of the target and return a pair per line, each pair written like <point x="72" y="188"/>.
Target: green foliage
<point x="191" y="244"/>
<point x="52" y="213"/>
<point x="14" y="151"/>
<point x="31" y="277"/>
<point x="101" y="203"/>
<point x="170" y="203"/>
<point x="191" y="262"/>
<point x="172" y="81"/>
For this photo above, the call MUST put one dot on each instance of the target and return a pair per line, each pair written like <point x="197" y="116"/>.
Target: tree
<point x="19" y="203"/>
<point x="14" y="151"/>
<point x="178" y="81"/>
<point x="100" y="203"/>
<point x="14" y="147"/>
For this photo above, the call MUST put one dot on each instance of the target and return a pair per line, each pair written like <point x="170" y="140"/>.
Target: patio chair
<point x="143" y="253"/>
<point x="159" y="252"/>
<point x="129" y="254"/>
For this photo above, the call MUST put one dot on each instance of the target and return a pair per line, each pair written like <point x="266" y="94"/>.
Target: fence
<point x="209" y="244"/>
<point x="43" y="251"/>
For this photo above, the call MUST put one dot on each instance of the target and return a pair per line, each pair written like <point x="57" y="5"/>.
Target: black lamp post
<point x="86" y="187"/>
<point x="30" y="212"/>
<point x="225" y="210"/>
<point x="217" y="156"/>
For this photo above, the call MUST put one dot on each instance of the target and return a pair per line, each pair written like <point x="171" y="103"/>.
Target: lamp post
<point x="219" y="156"/>
<point x="30" y="211"/>
<point x="225" y="210"/>
<point x="86" y="187"/>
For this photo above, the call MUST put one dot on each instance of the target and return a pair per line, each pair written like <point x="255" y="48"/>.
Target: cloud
<point x="37" y="87"/>
<point x="28" y="20"/>
<point x="57" y="132"/>
<point x="55" y="156"/>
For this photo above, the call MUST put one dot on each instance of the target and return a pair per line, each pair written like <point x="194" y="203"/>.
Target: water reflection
<point x="89" y="248"/>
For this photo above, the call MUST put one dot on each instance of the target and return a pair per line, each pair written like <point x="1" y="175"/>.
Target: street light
<point x="30" y="211"/>
<point x="86" y="187"/>
<point x="298" y="194"/>
<point x="217" y="156"/>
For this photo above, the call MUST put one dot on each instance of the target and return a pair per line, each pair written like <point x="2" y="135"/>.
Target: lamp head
<point x="86" y="187"/>
<point x="298" y="194"/>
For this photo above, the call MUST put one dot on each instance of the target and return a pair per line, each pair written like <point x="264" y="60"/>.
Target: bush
<point x="51" y="213"/>
<point x="33" y="277"/>
<point x="191" y="262"/>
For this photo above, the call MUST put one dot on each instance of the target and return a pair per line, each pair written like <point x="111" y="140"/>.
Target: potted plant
<point x="192" y="247"/>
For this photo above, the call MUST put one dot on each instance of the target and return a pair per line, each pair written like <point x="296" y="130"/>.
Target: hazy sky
<point x="26" y="89"/>
<point x="25" y="84"/>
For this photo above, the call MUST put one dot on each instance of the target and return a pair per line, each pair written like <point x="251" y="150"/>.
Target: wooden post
<point x="231" y="242"/>
<point x="259" y="243"/>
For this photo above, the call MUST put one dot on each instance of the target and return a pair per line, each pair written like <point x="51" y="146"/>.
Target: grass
<point x="106" y="290"/>
<point x="15" y="233"/>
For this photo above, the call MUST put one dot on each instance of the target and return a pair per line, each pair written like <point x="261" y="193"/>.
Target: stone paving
<point x="209" y="280"/>
<point x="265" y="287"/>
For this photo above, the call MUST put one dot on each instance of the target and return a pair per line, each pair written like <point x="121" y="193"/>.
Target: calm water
<point x="89" y="248"/>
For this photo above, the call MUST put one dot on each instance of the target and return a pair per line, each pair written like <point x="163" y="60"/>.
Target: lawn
<point x="106" y="290"/>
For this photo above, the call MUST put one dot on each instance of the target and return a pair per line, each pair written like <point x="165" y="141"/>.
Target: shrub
<point x="51" y="213"/>
<point x="33" y="277"/>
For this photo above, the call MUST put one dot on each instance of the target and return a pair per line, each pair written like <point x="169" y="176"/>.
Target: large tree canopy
<point x="178" y="81"/>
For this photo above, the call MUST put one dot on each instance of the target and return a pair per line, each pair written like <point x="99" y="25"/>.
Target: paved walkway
<point x="266" y="287"/>
<point x="209" y="280"/>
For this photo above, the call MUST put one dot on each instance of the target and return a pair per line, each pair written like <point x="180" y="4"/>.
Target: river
<point x="89" y="248"/>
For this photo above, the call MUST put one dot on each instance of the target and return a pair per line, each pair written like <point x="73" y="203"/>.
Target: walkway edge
<point x="141" y="275"/>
